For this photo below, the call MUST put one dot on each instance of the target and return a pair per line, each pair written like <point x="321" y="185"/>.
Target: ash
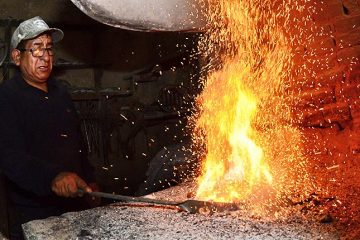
<point x="141" y="221"/>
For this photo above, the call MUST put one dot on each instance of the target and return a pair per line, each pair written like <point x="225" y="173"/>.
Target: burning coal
<point x="252" y="150"/>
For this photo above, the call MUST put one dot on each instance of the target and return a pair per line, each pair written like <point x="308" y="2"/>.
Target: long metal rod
<point x="190" y="206"/>
<point x="132" y="199"/>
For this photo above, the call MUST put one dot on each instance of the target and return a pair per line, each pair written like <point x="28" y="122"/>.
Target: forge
<point x="141" y="221"/>
<point x="278" y="125"/>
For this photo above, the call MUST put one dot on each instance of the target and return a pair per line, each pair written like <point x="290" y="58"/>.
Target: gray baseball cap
<point x="32" y="28"/>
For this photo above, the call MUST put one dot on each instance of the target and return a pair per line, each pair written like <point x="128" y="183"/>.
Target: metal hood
<point x="146" y="15"/>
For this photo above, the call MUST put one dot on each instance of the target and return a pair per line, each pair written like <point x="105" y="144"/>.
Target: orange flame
<point x="244" y="121"/>
<point x="234" y="161"/>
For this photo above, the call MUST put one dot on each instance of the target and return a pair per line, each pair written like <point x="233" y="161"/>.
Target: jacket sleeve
<point x="28" y="172"/>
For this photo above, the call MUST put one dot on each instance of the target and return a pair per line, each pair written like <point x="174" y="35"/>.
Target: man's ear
<point x="15" y="55"/>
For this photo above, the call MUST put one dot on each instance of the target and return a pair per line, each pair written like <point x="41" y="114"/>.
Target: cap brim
<point x="55" y="33"/>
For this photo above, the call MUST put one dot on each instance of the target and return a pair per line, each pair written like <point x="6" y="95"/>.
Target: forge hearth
<point x="123" y="222"/>
<point x="120" y="221"/>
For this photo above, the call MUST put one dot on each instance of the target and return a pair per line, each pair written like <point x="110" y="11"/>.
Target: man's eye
<point x="36" y="50"/>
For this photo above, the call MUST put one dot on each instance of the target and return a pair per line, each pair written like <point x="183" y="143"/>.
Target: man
<point x="41" y="151"/>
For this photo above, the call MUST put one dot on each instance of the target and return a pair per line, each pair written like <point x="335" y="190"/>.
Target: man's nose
<point x="46" y="55"/>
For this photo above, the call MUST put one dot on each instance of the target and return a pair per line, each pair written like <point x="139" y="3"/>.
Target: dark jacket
<point x="39" y="138"/>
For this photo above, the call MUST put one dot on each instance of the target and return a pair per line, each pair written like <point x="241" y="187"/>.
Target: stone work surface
<point x="139" y="221"/>
<point x="136" y="222"/>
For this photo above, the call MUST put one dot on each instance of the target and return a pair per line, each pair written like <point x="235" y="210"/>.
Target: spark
<point x="244" y="121"/>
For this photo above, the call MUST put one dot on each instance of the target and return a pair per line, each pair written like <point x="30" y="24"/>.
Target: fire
<point x="235" y="162"/>
<point x="244" y="122"/>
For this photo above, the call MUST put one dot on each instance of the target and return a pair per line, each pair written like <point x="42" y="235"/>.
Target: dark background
<point x="133" y="91"/>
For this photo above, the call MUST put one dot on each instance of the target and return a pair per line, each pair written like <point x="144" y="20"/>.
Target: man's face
<point x="35" y="70"/>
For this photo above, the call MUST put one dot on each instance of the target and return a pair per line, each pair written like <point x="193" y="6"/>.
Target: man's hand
<point x="91" y="200"/>
<point x="66" y="184"/>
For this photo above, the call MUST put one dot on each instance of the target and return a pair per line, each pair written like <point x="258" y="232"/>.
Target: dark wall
<point x="117" y="78"/>
<point x="131" y="90"/>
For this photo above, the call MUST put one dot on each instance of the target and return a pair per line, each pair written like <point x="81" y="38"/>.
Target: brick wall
<point x="327" y="67"/>
<point x="327" y="102"/>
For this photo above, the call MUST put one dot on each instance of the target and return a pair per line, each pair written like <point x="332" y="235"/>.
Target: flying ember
<point x="244" y="123"/>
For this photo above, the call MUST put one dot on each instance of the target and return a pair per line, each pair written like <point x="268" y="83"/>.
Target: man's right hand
<point x="66" y="184"/>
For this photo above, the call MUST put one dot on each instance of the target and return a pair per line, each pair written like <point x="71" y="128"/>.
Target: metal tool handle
<point x="128" y="198"/>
